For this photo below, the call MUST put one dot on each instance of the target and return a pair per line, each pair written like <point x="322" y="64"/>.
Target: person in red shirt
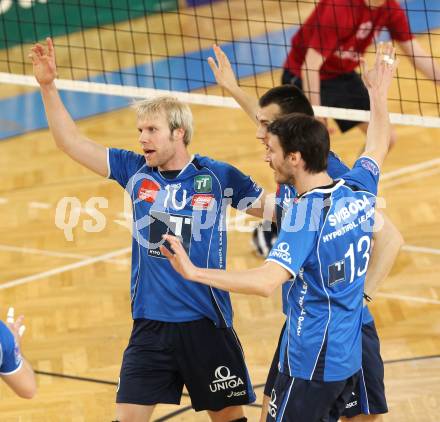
<point x="328" y="47"/>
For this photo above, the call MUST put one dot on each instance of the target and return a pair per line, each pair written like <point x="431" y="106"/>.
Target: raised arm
<point x="387" y="243"/>
<point x="225" y="77"/>
<point x="63" y="128"/>
<point x="378" y="81"/>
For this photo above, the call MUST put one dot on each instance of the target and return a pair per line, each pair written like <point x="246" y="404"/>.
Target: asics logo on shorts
<point x="351" y="404"/>
<point x="224" y="380"/>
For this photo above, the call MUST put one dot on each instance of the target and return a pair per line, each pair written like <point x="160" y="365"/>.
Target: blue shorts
<point x="162" y="357"/>
<point x="368" y="397"/>
<point x="273" y="371"/>
<point x="298" y="400"/>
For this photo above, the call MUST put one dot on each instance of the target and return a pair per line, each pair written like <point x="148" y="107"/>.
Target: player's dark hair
<point x="289" y="98"/>
<point x="300" y="133"/>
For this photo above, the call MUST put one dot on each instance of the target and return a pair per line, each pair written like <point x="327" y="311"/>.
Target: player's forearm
<point x="428" y="67"/>
<point x="31" y="382"/>
<point x="61" y="125"/>
<point x="247" y="102"/>
<point x="310" y="78"/>
<point x="311" y="86"/>
<point x="422" y="60"/>
<point x="387" y="243"/>
<point x="251" y="282"/>
<point x="68" y="137"/>
<point x="22" y="382"/>
<point x="378" y="133"/>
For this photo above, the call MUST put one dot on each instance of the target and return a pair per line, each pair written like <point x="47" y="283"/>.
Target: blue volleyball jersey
<point x="285" y="195"/>
<point x="192" y="206"/>
<point x="10" y="357"/>
<point x="324" y="243"/>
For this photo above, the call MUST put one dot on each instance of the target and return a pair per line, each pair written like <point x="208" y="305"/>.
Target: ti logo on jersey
<point x="148" y="190"/>
<point x="203" y="184"/>
<point x="336" y="272"/>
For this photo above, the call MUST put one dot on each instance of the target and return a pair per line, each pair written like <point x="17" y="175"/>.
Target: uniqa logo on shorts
<point x="282" y="252"/>
<point x="224" y="380"/>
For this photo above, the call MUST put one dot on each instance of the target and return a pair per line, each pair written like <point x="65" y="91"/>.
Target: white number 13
<point x="363" y="246"/>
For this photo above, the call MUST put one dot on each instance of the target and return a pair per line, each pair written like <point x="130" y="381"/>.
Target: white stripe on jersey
<point x="210" y="241"/>
<point x="323" y="286"/>
<point x="137" y="235"/>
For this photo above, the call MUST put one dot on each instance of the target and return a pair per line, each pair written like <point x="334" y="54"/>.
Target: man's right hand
<point x="222" y="69"/>
<point x="43" y="60"/>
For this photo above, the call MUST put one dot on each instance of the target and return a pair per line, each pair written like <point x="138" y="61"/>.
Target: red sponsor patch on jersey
<point x="202" y="201"/>
<point x="148" y="190"/>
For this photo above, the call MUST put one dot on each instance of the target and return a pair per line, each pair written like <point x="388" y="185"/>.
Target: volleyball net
<point x="142" y="48"/>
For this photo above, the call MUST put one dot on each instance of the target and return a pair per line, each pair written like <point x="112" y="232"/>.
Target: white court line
<point x="409" y="178"/>
<point x="39" y="205"/>
<point x="8" y="248"/>
<point x="420" y="249"/>
<point x="410" y="169"/>
<point x="409" y="298"/>
<point x="64" y="268"/>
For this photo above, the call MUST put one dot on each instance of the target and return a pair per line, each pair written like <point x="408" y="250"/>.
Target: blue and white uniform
<point x="325" y="244"/>
<point x="369" y="395"/>
<point x="182" y="332"/>
<point x="284" y="199"/>
<point x="192" y="206"/>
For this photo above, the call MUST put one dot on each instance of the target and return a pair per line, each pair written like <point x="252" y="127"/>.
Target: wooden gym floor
<point x="75" y="294"/>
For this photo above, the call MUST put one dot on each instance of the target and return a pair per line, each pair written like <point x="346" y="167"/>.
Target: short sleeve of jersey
<point x="335" y="167"/>
<point x="244" y="190"/>
<point x="398" y="24"/>
<point x="123" y="164"/>
<point x="295" y="242"/>
<point x="319" y="30"/>
<point x="364" y="174"/>
<point x="10" y="357"/>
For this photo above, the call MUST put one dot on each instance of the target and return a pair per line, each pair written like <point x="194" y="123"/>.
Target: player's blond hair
<point x="178" y="114"/>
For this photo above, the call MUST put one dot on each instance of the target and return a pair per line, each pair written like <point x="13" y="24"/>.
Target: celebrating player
<point x="368" y="397"/>
<point x="182" y="333"/>
<point x="324" y="244"/>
